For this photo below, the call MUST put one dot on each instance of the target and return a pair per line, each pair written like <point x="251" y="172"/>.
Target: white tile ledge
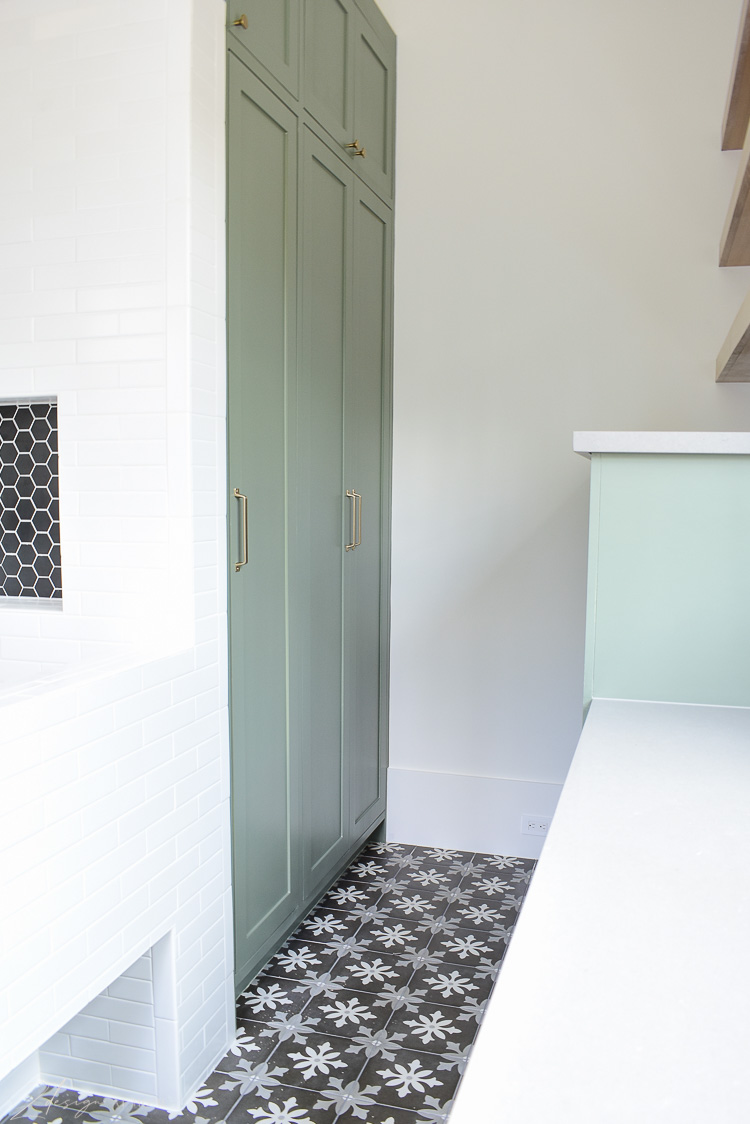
<point x="24" y="687"/>
<point x="665" y="441"/>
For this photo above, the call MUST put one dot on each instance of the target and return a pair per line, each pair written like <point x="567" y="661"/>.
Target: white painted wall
<point x="560" y="196"/>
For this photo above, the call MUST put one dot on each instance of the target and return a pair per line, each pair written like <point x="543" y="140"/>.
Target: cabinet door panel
<point x="272" y="36"/>
<point x="329" y="76"/>
<point x="374" y="91"/>
<point x="367" y="393"/>
<point x="261" y="217"/>
<point x="325" y="298"/>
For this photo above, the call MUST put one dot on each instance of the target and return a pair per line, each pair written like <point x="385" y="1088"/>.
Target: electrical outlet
<point x="535" y="825"/>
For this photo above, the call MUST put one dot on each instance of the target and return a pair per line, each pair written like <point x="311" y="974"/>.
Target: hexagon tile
<point x="29" y="501"/>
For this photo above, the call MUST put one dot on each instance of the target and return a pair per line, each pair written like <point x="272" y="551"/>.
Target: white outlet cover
<point x="534" y="825"/>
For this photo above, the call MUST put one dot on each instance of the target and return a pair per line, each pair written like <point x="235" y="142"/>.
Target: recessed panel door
<point x="374" y="94"/>
<point x="325" y="242"/>
<point x="272" y="35"/>
<point x="329" y="73"/>
<point x="261" y="354"/>
<point x="367" y="461"/>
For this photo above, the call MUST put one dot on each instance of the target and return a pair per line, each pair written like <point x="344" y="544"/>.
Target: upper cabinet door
<point x="329" y="72"/>
<point x="374" y="102"/>
<point x="272" y="36"/>
<point x="349" y="88"/>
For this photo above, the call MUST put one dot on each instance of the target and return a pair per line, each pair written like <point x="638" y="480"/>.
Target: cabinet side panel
<point x="593" y="559"/>
<point x="673" y="584"/>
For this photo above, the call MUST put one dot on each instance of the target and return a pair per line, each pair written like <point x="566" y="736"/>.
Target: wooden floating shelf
<point x="737" y="112"/>
<point x="733" y="362"/>
<point x="735" y="238"/>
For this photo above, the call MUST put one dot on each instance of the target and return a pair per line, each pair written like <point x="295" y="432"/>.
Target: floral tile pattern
<point x="368" y="1013"/>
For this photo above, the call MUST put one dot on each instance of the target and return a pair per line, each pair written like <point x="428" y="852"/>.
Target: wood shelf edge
<point x="733" y="361"/>
<point x="737" y="110"/>
<point x="734" y="248"/>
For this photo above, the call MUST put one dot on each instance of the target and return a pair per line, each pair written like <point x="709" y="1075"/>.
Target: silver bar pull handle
<point x="359" y="521"/>
<point x="238" y="495"/>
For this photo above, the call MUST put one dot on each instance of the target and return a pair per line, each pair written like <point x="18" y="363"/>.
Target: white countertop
<point x="625" y="993"/>
<point x="661" y="442"/>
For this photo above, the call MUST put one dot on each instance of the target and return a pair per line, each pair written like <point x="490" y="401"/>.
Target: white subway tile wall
<point x="113" y="723"/>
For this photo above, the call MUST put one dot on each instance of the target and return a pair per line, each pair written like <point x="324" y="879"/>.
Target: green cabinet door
<point x="328" y="68"/>
<point x="318" y="568"/>
<point x="349" y="86"/>
<point x="261" y="356"/>
<point x="374" y="102"/>
<point x="367" y="472"/>
<point x="272" y="36"/>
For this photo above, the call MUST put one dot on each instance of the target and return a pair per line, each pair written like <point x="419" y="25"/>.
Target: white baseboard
<point x="17" y="1084"/>
<point x="466" y="813"/>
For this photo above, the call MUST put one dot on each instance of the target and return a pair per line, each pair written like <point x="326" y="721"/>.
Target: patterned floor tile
<point x="347" y="1013"/>
<point x="452" y="984"/>
<point x="367" y="867"/>
<point x="432" y="876"/>
<point x="387" y="1114"/>
<point x="69" y="1115"/>
<point x="213" y="1102"/>
<point x="283" y="1105"/>
<point x="406" y="1081"/>
<point x="367" y="1014"/>
<point x="435" y="1027"/>
<point x="480" y="914"/>
<point x="492" y="886"/>
<point x="298" y="957"/>
<point x="267" y="996"/>
<point x="310" y="1064"/>
<point x="412" y="903"/>
<point x="248" y="1044"/>
<point x="326" y="923"/>
<point x="372" y="971"/>
<point x="393" y="934"/>
<point x="505" y="862"/>
<point x="467" y="947"/>
<point x="346" y="894"/>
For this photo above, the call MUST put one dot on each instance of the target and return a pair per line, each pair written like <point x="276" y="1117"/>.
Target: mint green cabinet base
<point x="669" y="578"/>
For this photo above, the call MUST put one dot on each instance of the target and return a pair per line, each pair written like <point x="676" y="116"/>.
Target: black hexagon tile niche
<point x="29" y="501"/>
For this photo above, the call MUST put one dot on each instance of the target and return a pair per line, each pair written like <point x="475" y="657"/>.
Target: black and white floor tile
<point x="367" y="1014"/>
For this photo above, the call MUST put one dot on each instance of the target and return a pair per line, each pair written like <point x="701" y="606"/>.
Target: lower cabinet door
<point x="325" y="247"/>
<point x="262" y="183"/>
<point x="367" y="471"/>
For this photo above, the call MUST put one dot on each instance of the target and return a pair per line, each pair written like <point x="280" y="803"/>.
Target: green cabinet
<point x="334" y="62"/>
<point x="272" y="38"/>
<point x="309" y="407"/>
<point x="668" y="616"/>
<point x="349" y="77"/>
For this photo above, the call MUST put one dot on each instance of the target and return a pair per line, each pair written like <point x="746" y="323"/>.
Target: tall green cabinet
<point x="311" y="87"/>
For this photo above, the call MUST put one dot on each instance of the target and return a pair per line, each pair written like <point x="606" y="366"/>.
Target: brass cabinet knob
<point x="357" y="150"/>
<point x="241" y="22"/>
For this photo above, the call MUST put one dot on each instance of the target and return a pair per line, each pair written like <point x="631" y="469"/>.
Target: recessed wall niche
<point x="29" y="501"/>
